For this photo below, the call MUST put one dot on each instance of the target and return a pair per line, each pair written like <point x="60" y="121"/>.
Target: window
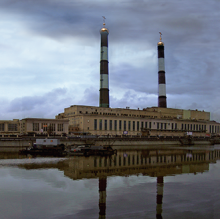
<point x="129" y="125"/>
<point x="100" y="124"/>
<point x="150" y="125"/>
<point x="115" y="125"/>
<point x="95" y="124"/>
<point x="133" y="125"/>
<point x="110" y="124"/>
<point x="176" y="126"/>
<point x="119" y="160"/>
<point x="60" y="127"/>
<point x="124" y="161"/>
<point x="119" y="125"/>
<point x="142" y="125"/>
<point x="172" y="126"/>
<point x="52" y="127"/>
<point x="158" y="125"/>
<point x="35" y="126"/>
<point x="106" y="124"/>
<point x="12" y="127"/>
<point x="95" y="162"/>
<point x="137" y="125"/>
<point x="165" y="126"/>
<point x="161" y="126"/>
<point x="44" y="126"/>
<point x="124" y="125"/>
<point x="115" y="161"/>
<point x="2" y="127"/>
<point x="145" y="124"/>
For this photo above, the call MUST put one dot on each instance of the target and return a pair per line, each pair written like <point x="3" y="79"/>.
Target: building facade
<point x="44" y="126"/>
<point x="9" y="127"/>
<point x="149" y="121"/>
<point x="33" y="126"/>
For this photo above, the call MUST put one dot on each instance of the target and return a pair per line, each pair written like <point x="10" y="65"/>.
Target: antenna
<point x="160" y="36"/>
<point x="104" y="20"/>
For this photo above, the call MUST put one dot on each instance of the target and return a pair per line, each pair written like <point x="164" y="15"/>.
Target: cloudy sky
<point x="50" y="54"/>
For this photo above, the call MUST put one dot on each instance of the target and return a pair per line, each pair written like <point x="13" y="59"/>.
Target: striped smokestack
<point x="104" y="85"/>
<point x="162" y="99"/>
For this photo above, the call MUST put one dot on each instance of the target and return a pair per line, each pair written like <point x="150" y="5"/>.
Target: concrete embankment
<point x="16" y="144"/>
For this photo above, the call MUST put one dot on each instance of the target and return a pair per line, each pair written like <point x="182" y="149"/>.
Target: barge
<point x="45" y="147"/>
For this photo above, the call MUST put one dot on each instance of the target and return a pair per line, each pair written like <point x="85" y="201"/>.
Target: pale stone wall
<point x="28" y="125"/>
<point x="164" y="127"/>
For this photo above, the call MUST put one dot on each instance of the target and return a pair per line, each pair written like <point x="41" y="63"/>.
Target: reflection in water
<point x="159" y="197"/>
<point x="153" y="163"/>
<point x="102" y="196"/>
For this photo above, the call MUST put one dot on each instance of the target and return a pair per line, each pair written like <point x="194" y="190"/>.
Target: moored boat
<point x="45" y="147"/>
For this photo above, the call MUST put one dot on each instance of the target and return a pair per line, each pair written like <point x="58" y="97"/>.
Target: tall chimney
<point x="162" y="99"/>
<point x="104" y="84"/>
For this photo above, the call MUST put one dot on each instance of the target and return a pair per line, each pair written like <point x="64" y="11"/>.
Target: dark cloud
<point x="189" y="33"/>
<point x="45" y="106"/>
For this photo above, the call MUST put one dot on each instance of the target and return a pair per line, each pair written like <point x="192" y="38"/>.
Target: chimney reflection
<point x="159" y="197"/>
<point x="102" y="196"/>
<point x="153" y="163"/>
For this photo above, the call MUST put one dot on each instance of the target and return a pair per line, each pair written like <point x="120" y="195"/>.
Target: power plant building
<point x="103" y="120"/>
<point x="149" y="121"/>
<point x="152" y="121"/>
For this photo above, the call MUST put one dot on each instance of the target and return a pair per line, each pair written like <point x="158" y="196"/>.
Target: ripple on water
<point x="42" y="160"/>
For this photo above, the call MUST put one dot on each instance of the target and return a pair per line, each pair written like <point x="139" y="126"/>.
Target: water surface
<point x="149" y="183"/>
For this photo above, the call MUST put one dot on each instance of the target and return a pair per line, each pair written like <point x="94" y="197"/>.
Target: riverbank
<point x="16" y="144"/>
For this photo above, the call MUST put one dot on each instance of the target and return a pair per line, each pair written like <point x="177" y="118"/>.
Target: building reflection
<point x="153" y="163"/>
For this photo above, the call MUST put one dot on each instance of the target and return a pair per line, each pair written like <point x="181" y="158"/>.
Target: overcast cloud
<point x="50" y="54"/>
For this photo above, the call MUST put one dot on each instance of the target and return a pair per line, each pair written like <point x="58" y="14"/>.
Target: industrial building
<point x="103" y="120"/>
<point x="150" y="121"/>
<point x="153" y="121"/>
<point x="33" y="126"/>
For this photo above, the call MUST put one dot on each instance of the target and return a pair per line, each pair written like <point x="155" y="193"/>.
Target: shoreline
<point x="16" y="144"/>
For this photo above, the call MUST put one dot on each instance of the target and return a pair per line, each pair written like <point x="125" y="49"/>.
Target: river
<point x="167" y="182"/>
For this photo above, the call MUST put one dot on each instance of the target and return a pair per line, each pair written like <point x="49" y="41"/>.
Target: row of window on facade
<point x="12" y="127"/>
<point x="197" y="127"/>
<point x="137" y="126"/>
<point x="193" y="127"/>
<point x="139" y="160"/>
<point x="45" y="127"/>
<point x="128" y="125"/>
<point x="120" y="125"/>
